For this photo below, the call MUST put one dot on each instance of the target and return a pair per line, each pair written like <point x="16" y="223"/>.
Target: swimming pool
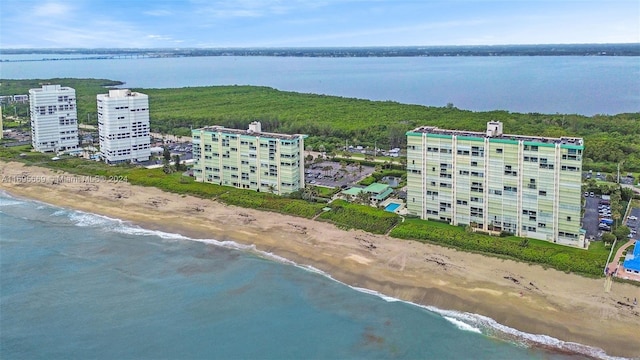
<point x="391" y="207"/>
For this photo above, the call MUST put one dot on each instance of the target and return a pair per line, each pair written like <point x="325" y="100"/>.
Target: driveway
<point x="590" y="220"/>
<point x="634" y="224"/>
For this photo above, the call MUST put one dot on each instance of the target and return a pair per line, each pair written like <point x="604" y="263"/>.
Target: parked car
<point x="632" y="217"/>
<point x="591" y="194"/>
<point x="604" y="227"/>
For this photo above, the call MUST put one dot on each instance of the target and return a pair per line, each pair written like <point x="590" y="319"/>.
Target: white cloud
<point x="158" y="12"/>
<point x="51" y="9"/>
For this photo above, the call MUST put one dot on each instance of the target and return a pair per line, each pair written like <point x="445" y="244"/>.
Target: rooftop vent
<point x="494" y="128"/>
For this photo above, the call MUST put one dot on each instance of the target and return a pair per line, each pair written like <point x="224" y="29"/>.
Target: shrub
<point x="585" y="262"/>
<point x="354" y="216"/>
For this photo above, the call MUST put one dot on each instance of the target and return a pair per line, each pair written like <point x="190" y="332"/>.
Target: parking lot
<point x="633" y="222"/>
<point x="590" y="220"/>
<point x="332" y="174"/>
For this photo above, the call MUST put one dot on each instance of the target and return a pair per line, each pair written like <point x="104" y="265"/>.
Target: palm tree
<point x="363" y="198"/>
<point x="309" y="193"/>
<point x="403" y="162"/>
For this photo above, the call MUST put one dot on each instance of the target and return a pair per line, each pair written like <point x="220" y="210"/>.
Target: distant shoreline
<point x="632" y="49"/>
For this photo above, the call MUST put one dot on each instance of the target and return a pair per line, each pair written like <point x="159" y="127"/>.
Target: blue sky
<point x="313" y="23"/>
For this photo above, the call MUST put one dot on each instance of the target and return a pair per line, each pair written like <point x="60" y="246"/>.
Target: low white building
<point x="123" y="126"/>
<point x="54" y="119"/>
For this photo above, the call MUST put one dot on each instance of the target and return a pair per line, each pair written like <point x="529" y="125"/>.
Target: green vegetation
<point x="353" y="216"/>
<point x="590" y="262"/>
<point x="177" y="183"/>
<point x="86" y="91"/>
<point x="378" y="175"/>
<point x="331" y="120"/>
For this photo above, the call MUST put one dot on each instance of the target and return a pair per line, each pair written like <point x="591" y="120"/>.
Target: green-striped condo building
<point x="249" y="159"/>
<point x="525" y="185"/>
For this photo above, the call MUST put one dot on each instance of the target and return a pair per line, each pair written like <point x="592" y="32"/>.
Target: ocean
<point x="585" y="85"/>
<point x="76" y="285"/>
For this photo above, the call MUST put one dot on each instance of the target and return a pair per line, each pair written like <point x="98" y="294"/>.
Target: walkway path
<point x="614" y="265"/>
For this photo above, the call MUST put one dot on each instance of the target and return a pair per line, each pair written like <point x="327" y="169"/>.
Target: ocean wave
<point x="84" y="219"/>
<point x="376" y="293"/>
<point x="56" y="213"/>
<point x="126" y="229"/>
<point x="8" y="200"/>
<point x="463" y="325"/>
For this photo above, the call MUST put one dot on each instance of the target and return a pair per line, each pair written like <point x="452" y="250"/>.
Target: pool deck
<point x="400" y="210"/>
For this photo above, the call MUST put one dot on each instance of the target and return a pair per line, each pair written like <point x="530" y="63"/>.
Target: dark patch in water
<point x="370" y="339"/>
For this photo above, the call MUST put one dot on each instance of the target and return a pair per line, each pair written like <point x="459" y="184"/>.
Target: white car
<point x="632" y="217"/>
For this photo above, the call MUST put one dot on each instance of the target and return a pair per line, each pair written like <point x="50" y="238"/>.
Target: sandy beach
<point x="522" y="296"/>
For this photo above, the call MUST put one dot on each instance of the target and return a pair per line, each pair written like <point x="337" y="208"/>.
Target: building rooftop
<point x="49" y="88"/>
<point x="494" y="131"/>
<point x="354" y="191"/>
<point x="250" y="132"/>
<point x="121" y="93"/>
<point x="376" y="188"/>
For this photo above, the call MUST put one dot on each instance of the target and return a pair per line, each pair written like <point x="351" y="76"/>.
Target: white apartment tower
<point x="54" y="118"/>
<point x="123" y="126"/>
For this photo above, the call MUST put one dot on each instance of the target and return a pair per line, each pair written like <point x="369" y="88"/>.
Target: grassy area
<point x="585" y="262"/>
<point x="325" y="192"/>
<point x="353" y="216"/>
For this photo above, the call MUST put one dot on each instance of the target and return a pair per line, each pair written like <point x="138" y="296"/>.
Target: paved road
<point x="634" y="224"/>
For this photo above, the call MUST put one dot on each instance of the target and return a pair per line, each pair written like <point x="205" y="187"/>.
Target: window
<point x="498" y="151"/>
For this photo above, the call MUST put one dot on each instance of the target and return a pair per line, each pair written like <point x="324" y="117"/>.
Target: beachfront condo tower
<point x="249" y="159"/>
<point x="494" y="182"/>
<point x="123" y="126"/>
<point x="54" y="118"/>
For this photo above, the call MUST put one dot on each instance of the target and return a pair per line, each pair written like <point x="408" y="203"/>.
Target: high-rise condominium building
<point x="525" y="185"/>
<point x="54" y="119"/>
<point x="123" y="126"/>
<point x="249" y="159"/>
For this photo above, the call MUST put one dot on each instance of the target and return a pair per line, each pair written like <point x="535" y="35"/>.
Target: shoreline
<point x="525" y="297"/>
